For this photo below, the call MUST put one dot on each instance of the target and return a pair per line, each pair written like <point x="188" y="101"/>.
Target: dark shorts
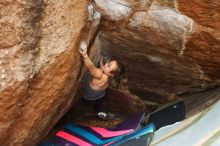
<point x="96" y="104"/>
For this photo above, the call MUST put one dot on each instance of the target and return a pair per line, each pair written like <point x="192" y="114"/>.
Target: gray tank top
<point x="89" y="93"/>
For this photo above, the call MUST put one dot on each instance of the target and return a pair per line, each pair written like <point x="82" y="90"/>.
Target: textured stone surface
<point x="39" y="65"/>
<point x="167" y="47"/>
<point x="112" y="9"/>
<point x="205" y="13"/>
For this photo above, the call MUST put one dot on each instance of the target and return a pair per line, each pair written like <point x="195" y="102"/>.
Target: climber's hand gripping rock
<point x="83" y="47"/>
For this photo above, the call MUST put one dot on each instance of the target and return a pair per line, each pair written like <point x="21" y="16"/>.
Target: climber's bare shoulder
<point x="100" y="83"/>
<point x="97" y="73"/>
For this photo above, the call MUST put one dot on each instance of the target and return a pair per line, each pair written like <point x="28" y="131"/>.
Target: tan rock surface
<point x="39" y="65"/>
<point x="168" y="47"/>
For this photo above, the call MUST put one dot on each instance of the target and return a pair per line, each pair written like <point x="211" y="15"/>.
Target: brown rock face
<point x="167" y="47"/>
<point x="39" y="65"/>
<point x="205" y="13"/>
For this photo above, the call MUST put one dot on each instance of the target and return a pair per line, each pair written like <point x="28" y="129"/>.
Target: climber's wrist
<point x="85" y="55"/>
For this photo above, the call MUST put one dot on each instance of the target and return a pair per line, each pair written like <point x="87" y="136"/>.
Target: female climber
<point x="98" y="80"/>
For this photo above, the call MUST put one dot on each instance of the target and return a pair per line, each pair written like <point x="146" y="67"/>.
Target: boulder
<point x="167" y="47"/>
<point x="39" y="65"/>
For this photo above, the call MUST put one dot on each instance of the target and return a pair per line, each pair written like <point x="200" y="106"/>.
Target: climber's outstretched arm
<point x="95" y="72"/>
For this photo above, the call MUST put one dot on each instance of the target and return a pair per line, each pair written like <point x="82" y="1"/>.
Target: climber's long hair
<point x="119" y="75"/>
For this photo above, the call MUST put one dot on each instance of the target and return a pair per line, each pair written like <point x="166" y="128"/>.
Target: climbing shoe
<point x="106" y="116"/>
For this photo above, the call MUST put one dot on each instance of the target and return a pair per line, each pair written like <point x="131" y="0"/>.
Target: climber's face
<point x="109" y="68"/>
